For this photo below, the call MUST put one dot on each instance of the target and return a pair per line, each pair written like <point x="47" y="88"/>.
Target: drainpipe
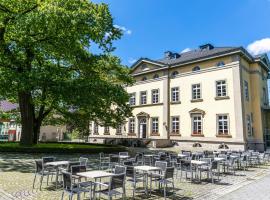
<point x="168" y="102"/>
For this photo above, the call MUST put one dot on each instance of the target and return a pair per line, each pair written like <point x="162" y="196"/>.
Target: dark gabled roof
<point x="198" y="54"/>
<point x="146" y="60"/>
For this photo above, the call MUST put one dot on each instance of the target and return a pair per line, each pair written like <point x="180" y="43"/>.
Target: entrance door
<point x="142" y="128"/>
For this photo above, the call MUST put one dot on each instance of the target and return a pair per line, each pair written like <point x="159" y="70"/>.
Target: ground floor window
<point x="154" y="125"/>
<point x="106" y="129"/>
<point x="119" y="129"/>
<point x="223" y="124"/>
<point x="131" y="125"/>
<point x="196" y="124"/>
<point x="175" y="125"/>
<point x="95" y="128"/>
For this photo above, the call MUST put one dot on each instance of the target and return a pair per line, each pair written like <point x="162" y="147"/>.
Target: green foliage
<point x="59" y="148"/>
<point x="45" y="51"/>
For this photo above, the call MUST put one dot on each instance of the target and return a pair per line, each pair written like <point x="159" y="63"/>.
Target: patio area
<point x="17" y="174"/>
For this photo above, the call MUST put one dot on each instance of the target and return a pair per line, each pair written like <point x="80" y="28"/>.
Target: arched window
<point x="197" y="68"/>
<point x="175" y="73"/>
<point x="144" y="78"/>
<point x="220" y="64"/>
<point x="156" y="76"/>
<point x="196" y="144"/>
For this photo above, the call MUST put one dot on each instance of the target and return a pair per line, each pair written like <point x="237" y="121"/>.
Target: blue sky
<point x="153" y="26"/>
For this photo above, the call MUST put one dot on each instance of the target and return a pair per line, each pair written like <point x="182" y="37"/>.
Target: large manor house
<point x="212" y="97"/>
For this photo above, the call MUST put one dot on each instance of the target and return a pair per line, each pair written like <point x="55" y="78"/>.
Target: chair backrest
<point x="161" y="165"/>
<point x="162" y="157"/>
<point x="130" y="172"/>
<point x="129" y="162"/>
<point x="48" y="159"/>
<point x="214" y="164"/>
<point x="39" y="166"/>
<point x="78" y="168"/>
<point x="147" y="160"/>
<point x="67" y="180"/>
<point x="120" y="169"/>
<point x="208" y="160"/>
<point x="123" y="153"/>
<point x="114" y="158"/>
<point x="83" y="161"/>
<point x="188" y="154"/>
<point x="71" y="164"/>
<point x="169" y="172"/>
<point x="117" y="181"/>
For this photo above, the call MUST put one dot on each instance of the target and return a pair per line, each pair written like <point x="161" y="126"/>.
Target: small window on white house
<point x="196" y="91"/>
<point x="132" y="99"/>
<point x="175" y="94"/>
<point x="155" y="96"/>
<point x="131" y="125"/>
<point x="174" y="74"/>
<point x="156" y="76"/>
<point x="154" y="125"/>
<point x="95" y="128"/>
<point x="223" y="124"/>
<point x="197" y="68"/>
<point x="143" y="98"/>
<point x="246" y="90"/>
<point x="175" y="125"/>
<point x="119" y="129"/>
<point x="196" y="124"/>
<point x="106" y="129"/>
<point x="221" y="88"/>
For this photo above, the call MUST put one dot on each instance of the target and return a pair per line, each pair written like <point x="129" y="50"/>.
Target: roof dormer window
<point x="197" y="68"/>
<point x="220" y="64"/>
<point x="174" y="74"/>
<point x="156" y="76"/>
<point x="144" y="78"/>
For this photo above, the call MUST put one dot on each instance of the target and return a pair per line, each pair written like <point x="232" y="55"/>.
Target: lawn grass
<point x="60" y="148"/>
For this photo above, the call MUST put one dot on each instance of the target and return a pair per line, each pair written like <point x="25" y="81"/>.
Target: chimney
<point x="170" y="55"/>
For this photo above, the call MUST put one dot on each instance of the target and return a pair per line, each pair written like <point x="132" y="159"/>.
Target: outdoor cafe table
<point x="182" y="155"/>
<point x="146" y="169"/>
<point x="196" y="164"/>
<point x="94" y="175"/>
<point x="219" y="159"/>
<point x="56" y="165"/>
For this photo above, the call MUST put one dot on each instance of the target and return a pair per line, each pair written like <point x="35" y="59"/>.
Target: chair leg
<point x="41" y="180"/>
<point x="165" y="186"/>
<point x="34" y="181"/>
<point x="62" y="195"/>
<point x="47" y="179"/>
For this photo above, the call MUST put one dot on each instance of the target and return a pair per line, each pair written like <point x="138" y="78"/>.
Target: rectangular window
<point x="246" y="90"/>
<point x="154" y="125"/>
<point x="197" y="124"/>
<point x="131" y="125"/>
<point x="155" y="96"/>
<point x="264" y="97"/>
<point x="95" y="128"/>
<point x="132" y="99"/>
<point x="175" y="125"/>
<point x="175" y="94"/>
<point x="249" y="126"/>
<point x="119" y="129"/>
<point x="223" y="124"/>
<point x="221" y="88"/>
<point x="143" y="98"/>
<point x="106" y="129"/>
<point x="196" y="91"/>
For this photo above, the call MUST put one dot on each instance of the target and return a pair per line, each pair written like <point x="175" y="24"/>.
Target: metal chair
<point x="41" y="171"/>
<point x="71" y="188"/>
<point x="123" y="153"/>
<point x="113" y="160"/>
<point x="83" y="161"/>
<point x="133" y="178"/>
<point x="120" y="169"/>
<point x="112" y="188"/>
<point x="103" y="160"/>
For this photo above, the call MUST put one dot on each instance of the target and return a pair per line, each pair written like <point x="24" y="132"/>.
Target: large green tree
<point x="48" y="66"/>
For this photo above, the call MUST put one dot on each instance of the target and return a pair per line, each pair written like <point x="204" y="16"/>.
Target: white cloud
<point x="186" y="50"/>
<point x="132" y="60"/>
<point x="124" y="29"/>
<point x="259" y="46"/>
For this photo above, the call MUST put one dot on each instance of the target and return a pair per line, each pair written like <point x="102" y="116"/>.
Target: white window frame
<point x="131" y="125"/>
<point x="141" y="97"/>
<point x="132" y="99"/>
<point x="155" y="96"/>
<point x="154" y="124"/>
<point x="196" y="92"/>
<point x="175" y="94"/>
<point x="223" y="122"/>
<point x="221" y="85"/>
<point x="175" y="124"/>
<point x="194" y="118"/>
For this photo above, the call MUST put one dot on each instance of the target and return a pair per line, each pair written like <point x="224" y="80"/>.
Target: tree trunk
<point x="27" y="118"/>
<point x="37" y="125"/>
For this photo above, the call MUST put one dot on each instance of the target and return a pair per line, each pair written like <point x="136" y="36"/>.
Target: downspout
<point x="168" y="102"/>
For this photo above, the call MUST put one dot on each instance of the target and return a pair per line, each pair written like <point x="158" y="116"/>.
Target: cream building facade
<point x="213" y="97"/>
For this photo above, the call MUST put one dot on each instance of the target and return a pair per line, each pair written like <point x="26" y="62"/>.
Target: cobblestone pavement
<point x="256" y="190"/>
<point x="16" y="178"/>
